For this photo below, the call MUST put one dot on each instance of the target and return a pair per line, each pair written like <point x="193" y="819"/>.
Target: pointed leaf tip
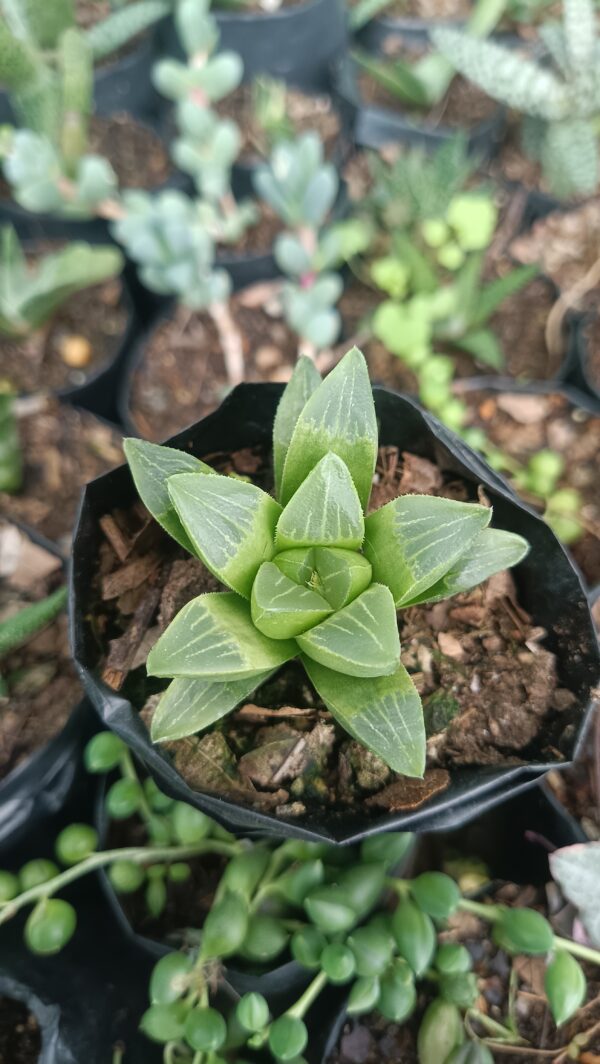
<point x="325" y="510"/>
<point x="304" y="381"/>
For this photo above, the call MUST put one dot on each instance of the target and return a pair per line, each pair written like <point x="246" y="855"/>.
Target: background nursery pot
<point x="53" y="1047"/>
<point x="296" y="43"/>
<point x="548" y="586"/>
<point x="513" y="840"/>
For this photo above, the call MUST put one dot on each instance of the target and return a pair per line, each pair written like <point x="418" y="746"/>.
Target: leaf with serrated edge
<point x="213" y="638"/>
<point x="489" y="552"/>
<point x="384" y="714"/>
<point x="576" y="869"/>
<point x="151" y="466"/>
<point x="283" y="609"/>
<point x="325" y="511"/>
<point x="304" y="381"/>
<point x="297" y="564"/>
<point x="231" y="524"/>
<point x="359" y="640"/>
<point x="189" y="706"/>
<point x="343" y="574"/>
<point x="338" y="417"/>
<point x="413" y="541"/>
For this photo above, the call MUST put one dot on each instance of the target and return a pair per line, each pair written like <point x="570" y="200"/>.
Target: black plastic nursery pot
<point x="295" y="43"/>
<point x="376" y="126"/>
<point x="548" y="586"/>
<point x="582" y="374"/>
<point x="54" y="1047"/>
<point x="514" y="840"/>
<point x="126" y="83"/>
<point x="375" y="34"/>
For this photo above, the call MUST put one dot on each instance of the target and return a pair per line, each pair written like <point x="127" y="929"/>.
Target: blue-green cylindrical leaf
<point x="565" y="986"/>
<point x="282" y="609"/>
<point x="213" y="638"/>
<point x="231" y="524"/>
<point x="359" y="640"/>
<point x="325" y="510"/>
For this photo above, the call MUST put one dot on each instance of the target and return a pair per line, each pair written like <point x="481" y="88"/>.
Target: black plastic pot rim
<point x="246" y="417"/>
<point x="581" y="372"/>
<point x="283" y="14"/>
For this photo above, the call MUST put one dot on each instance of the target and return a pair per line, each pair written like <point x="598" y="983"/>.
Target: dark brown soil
<point x="181" y="376"/>
<point x="303" y="110"/>
<point x="136" y="154"/>
<point x="63" y="449"/>
<point x="373" y="1040"/>
<point x="20" y="1036"/>
<point x="464" y="105"/>
<point x="565" y="244"/>
<point x="512" y="164"/>
<point x="523" y="425"/>
<point x="42" y="685"/>
<point x="187" y="903"/>
<point x="282" y="751"/>
<point x="86" y="330"/>
<point x="259" y="237"/>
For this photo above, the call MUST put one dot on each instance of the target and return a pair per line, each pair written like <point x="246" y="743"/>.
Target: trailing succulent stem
<point x="343" y="914"/>
<point x="308" y="575"/>
<point x="560" y="104"/>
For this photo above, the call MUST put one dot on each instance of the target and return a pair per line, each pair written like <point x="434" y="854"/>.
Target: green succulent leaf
<point x="384" y="714"/>
<point x="298" y="564"/>
<point x="415" y="935"/>
<point x="436" y="893"/>
<point x="190" y="706"/>
<point x="213" y="638"/>
<point x="283" y="609"/>
<point x="359" y="640"/>
<point x="416" y="539"/>
<point x="397" y="993"/>
<point x="490" y="551"/>
<point x="324" y="511"/>
<point x="343" y="574"/>
<point x="523" y="931"/>
<point x="151" y="466"/>
<point x="441" y="1032"/>
<point x="304" y="381"/>
<point x="230" y="522"/>
<point x="324" y="426"/>
<point x="565" y="985"/>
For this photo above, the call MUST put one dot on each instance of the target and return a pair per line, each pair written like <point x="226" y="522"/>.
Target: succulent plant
<point x="301" y="187"/>
<point x="561" y="104"/>
<point x="308" y="574"/>
<point x="11" y="472"/>
<point x="31" y="294"/>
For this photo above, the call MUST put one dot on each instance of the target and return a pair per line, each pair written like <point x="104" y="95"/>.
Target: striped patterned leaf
<point x="189" y="706"/>
<point x="491" y="551"/>
<point x="231" y="524"/>
<point x="384" y="714"/>
<point x="283" y="609"/>
<point x="151" y="466"/>
<point x="298" y="564"/>
<point x="339" y="417"/>
<point x="213" y="638"/>
<point x="360" y="640"/>
<point x="304" y="381"/>
<point x="415" y="540"/>
<point x="343" y="574"/>
<point x="325" y="511"/>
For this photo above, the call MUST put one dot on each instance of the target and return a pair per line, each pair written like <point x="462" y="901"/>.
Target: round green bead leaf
<point x="252" y="1011"/>
<point x="36" y="872"/>
<point x="170" y="978"/>
<point x="190" y="825"/>
<point x="165" y="1023"/>
<point x="9" y="886"/>
<point x="452" y="957"/>
<point x="460" y="988"/>
<point x="307" y="946"/>
<point x="123" y="799"/>
<point x="75" y="843"/>
<point x="565" y="986"/>
<point x="415" y="936"/>
<point x="265" y="939"/>
<point x="337" y="961"/>
<point x="471" y="1053"/>
<point x="225" y="927"/>
<point x="372" y="949"/>
<point x="363" y="996"/>
<point x="126" y="876"/>
<point x="436" y="894"/>
<point x="523" y="931"/>
<point x="397" y="994"/>
<point x="288" y="1038"/>
<point x="205" y="1029"/>
<point x="282" y="609"/>
<point x="50" y="926"/>
<point x="103" y="752"/>
<point x="440" y="1033"/>
<point x="330" y="910"/>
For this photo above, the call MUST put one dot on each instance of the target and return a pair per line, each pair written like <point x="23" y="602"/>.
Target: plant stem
<point x="492" y="913"/>
<point x="493" y="1027"/>
<point x="137" y="854"/>
<point x="129" y="772"/>
<point x="299" y="1010"/>
<point x="230" y="340"/>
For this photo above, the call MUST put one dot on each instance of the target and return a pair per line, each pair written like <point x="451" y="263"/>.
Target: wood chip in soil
<point x="522" y="425"/>
<point x="490" y="691"/>
<point x="87" y="328"/>
<point x="181" y="376"/>
<point x="303" y="110"/>
<point x="63" y="449"/>
<point x="371" y="1039"/>
<point x="20" y="1035"/>
<point x="42" y="685"/>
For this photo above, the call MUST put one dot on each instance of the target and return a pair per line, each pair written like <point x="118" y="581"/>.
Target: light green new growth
<point x="310" y="575"/>
<point x="561" y="104"/>
<point x="31" y="294"/>
<point x="11" y="466"/>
